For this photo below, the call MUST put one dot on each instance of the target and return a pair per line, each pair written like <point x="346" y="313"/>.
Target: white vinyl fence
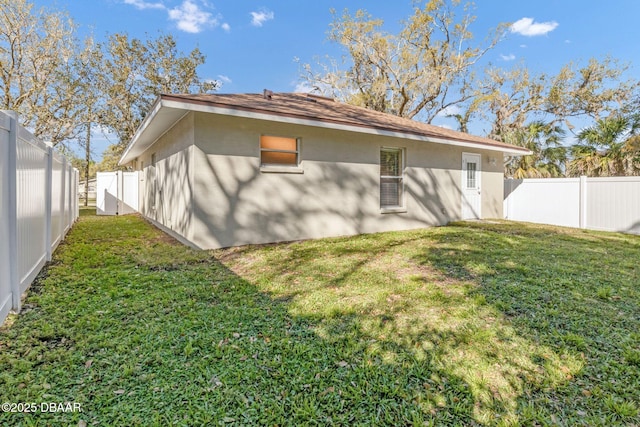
<point x="116" y="193"/>
<point x="609" y="204"/>
<point x="38" y="205"/>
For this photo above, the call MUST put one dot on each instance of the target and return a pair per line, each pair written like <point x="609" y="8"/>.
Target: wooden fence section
<point x="38" y="205"/>
<point x="609" y="204"/>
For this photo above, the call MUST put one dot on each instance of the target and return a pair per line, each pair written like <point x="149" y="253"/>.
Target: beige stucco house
<point x="225" y="170"/>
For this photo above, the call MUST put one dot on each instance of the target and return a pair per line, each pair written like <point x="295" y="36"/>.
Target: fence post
<point x="583" y="201"/>
<point x="76" y="202"/>
<point x="509" y="198"/>
<point x="77" y="199"/>
<point x="47" y="200"/>
<point x="69" y="196"/>
<point x="12" y="180"/>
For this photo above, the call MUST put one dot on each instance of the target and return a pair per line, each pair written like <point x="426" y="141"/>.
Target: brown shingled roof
<point x="304" y="106"/>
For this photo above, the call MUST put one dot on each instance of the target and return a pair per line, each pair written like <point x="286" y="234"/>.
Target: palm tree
<point x="611" y="147"/>
<point x="548" y="155"/>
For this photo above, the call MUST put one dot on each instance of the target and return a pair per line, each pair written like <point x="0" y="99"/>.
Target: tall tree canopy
<point x="431" y="67"/>
<point x="418" y="73"/>
<point x="510" y="99"/>
<point x="63" y="89"/>
<point x="134" y="72"/>
<point x="36" y="71"/>
<point x="548" y="155"/>
<point x="611" y="147"/>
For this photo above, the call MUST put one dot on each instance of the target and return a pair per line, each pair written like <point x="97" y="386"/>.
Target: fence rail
<point x="609" y="204"/>
<point x="38" y="205"/>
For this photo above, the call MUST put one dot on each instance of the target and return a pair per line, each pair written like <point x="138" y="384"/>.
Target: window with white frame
<point x="279" y="151"/>
<point x="391" y="178"/>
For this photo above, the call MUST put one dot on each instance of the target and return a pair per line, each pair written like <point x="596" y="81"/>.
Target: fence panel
<point x="129" y="192"/>
<point x="608" y="204"/>
<point x="613" y="204"/>
<point x="545" y="201"/>
<point x="38" y="203"/>
<point x="5" y="279"/>
<point x="117" y="193"/>
<point x="107" y="193"/>
<point x="67" y="200"/>
<point x="57" y="205"/>
<point x="32" y="159"/>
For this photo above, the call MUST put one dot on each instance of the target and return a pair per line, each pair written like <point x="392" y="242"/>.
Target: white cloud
<point x="259" y="18"/>
<point x="303" y="87"/>
<point x="451" y="110"/>
<point x="224" y="79"/>
<point x="509" y="57"/>
<point x="527" y="27"/>
<point x="190" y="18"/>
<point x="524" y="46"/>
<point x="141" y="4"/>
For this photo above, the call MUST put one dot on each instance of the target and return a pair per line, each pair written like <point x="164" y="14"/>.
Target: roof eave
<point x="173" y="103"/>
<point x="230" y="111"/>
<point x="157" y="105"/>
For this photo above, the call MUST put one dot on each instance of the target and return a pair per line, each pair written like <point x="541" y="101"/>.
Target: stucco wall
<point x="492" y="184"/>
<point x="234" y="202"/>
<point x="172" y="188"/>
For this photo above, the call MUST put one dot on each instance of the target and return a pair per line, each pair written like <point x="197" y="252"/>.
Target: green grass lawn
<point x="470" y="324"/>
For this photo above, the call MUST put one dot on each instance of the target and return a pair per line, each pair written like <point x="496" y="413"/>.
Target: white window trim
<point x="281" y="168"/>
<point x="399" y="209"/>
<point x="402" y="207"/>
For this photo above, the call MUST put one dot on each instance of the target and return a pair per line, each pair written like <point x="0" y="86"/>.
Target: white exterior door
<point x="471" y="194"/>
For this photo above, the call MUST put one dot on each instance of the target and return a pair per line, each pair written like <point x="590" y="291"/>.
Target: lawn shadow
<point x="572" y="292"/>
<point x="413" y="328"/>
<point x="141" y="330"/>
<point x="368" y="293"/>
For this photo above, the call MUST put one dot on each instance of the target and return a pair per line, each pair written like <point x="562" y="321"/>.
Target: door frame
<point x="476" y="207"/>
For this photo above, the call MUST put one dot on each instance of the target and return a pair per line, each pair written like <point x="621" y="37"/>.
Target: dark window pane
<point x="390" y="192"/>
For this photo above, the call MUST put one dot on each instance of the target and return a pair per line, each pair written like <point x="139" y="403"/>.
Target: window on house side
<point x="471" y="175"/>
<point x="391" y="178"/>
<point x="279" y="151"/>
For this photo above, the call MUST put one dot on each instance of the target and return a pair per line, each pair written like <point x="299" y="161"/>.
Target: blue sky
<point x="252" y="45"/>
